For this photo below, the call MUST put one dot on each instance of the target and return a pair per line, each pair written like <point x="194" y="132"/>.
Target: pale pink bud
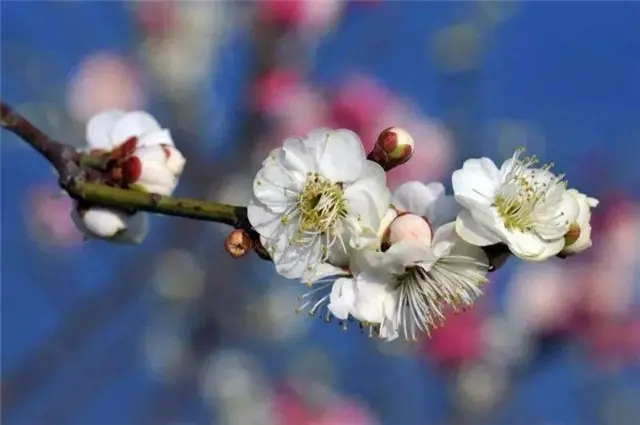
<point x="408" y="227"/>
<point x="394" y="146"/>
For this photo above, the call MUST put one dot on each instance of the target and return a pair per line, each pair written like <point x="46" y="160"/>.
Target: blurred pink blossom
<point x="363" y="105"/>
<point x="103" y="81"/>
<point x="446" y="346"/>
<point x="49" y="217"/>
<point x="157" y="18"/>
<point x="310" y="15"/>
<point x="293" y="411"/>
<point x="295" y="107"/>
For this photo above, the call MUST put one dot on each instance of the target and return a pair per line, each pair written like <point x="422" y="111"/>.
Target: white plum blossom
<point x="579" y="237"/>
<point x="143" y="156"/>
<point x="112" y="225"/>
<point x="315" y="200"/>
<point x="526" y="208"/>
<point x="424" y="268"/>
<point x="405" y="288"/>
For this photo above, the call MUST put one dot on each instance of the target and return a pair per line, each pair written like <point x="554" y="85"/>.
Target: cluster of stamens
<point x="522" y="196"/>
<point x="320" y="207"/>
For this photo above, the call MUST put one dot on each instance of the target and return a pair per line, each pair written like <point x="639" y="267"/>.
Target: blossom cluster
<point x="396" y="262"/>
<point x="138" y="154"/>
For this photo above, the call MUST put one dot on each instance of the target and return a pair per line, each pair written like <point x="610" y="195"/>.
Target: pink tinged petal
<point x="157" y="138"/>
<point x="470" y="230"/>
<point x="136" y="123"/>
<point x="342" y="157"/>
<point x="342" y="298"/>
<point x="99" y="128"/>
<point x="473" y="184"/>
<point x="409" y="227"/>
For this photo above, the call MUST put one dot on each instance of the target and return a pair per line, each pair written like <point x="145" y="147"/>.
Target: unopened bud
<point x="394" y="146"/>
<point x="238" y="243"/>
<point x="408" y="227"/>
<point x="572" y="235"/>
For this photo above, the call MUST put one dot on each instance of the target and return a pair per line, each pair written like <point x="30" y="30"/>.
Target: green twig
<point x="79" y="175"/>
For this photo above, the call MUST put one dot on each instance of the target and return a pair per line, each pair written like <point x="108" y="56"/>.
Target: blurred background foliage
<point x="175" y="332"/>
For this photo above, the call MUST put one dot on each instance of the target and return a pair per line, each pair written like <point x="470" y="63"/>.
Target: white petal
<point x="295" y="156"/>
<point x="176" y="161"/>
<point x="157" y="138"/>
<point x="99" y="128"/>
<point x="342" y="298"/>
<point x="369" y="299"/>
<point x="364" y="217"/>
<point x="275" y="188"/>
<point x="416" y="197"/>
<point x="322" y="271"/>
<point x="529" y="246"/>
<point x="156" y="177"/>
<point x="470" y="230"/>
<point x="342" y="156"/>
<point x="136" y="123"/>
<point x="100" y="222"/>
<point x="402" y="255"/>
<point x="473" y="183"/>
<point x="291" y="260"/>
<point x="266" y="222"/>
<point x="373" y="179"/>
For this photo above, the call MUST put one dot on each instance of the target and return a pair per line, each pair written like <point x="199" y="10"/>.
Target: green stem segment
<point x="79" y="176"/>
<point x="126" y="199"/>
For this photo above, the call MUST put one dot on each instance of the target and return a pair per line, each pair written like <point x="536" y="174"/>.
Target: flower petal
<point x="297" y="157"/>
<point x="342" y="157"/>
<point x="275" y="188"/>
<point x="156" y="138"/>
<point x="99" y="128"/>
<point x="136" y="123"/>
<point x="342" y="298"/>
<point x="266" y="222"/>
<point x="369" y="300"/>
<point x="470" y="230"/>
<point x="529" y="246"/>
<point x="474" y="183"/>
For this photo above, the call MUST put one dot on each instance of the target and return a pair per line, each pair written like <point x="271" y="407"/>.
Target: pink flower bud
<point x="408" y="227"/>
<point x="394" y="146"/>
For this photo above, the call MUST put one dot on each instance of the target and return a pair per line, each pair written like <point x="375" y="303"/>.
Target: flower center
<point x="320" y="205"/>
<point x="526" y="194"/>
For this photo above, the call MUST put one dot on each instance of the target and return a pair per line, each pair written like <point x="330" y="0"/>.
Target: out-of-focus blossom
<point x="182" y="41"/>
<point x="526" y="208"/>
<point x="457" y="343"/>
<point x="365" y="106"/>
<point x="306" y="15"/>
<point x="540" y="299"/>
<point x="49" y="220"/>
<point x="103" y="81"/>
